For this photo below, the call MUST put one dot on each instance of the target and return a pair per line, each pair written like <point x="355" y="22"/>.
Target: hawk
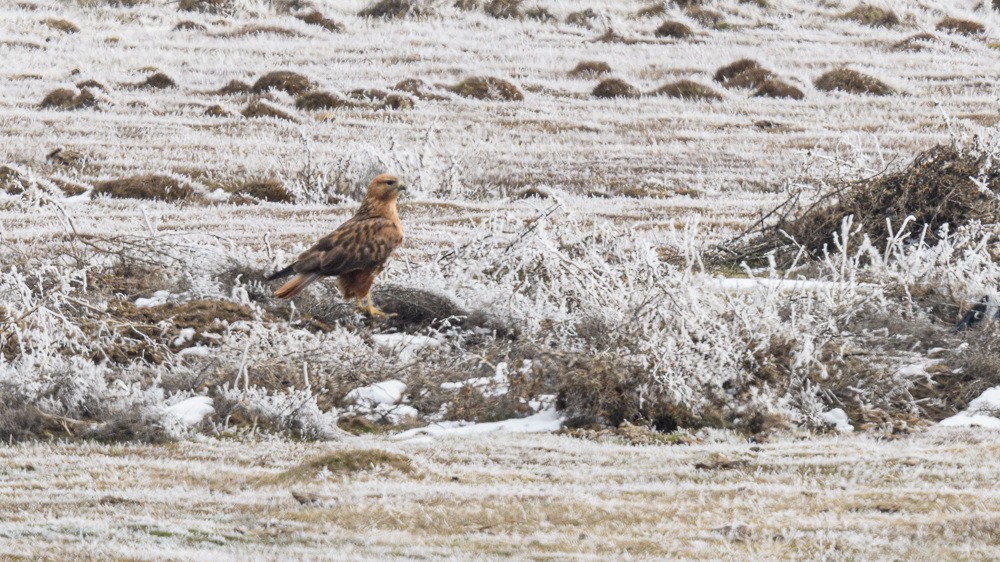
<point x="356" y="252"/>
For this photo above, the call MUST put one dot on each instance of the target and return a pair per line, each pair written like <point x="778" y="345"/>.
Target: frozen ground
<point x="135" y="320"/>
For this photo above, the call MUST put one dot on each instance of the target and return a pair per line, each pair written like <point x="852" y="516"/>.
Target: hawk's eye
<point x="391" y="183"/>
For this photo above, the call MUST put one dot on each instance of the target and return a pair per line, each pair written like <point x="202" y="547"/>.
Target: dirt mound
<point x="590" y="69"/>
<point x="159" y="188"/>
<point x="487" y="88"/>
<point x="964" y="27"/>
<point x="688" y="90"/>
<point x="936" y="188"/>
<point x="615" y="88"/>
<point x="673" y="30"/>
<point x="870" y="15"/>
<point x="284" y="80"/>
<point x="853" y="82"/>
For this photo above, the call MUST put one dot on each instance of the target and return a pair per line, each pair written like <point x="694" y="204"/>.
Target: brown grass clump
<point x="726" y="73"/>
<point x="915" y="43"/>
<point x="688" y="90"/>
<point x="935" y="189"/>
<point x="394" y="9"/>
<point x="260" y="108"/>
<point x="870" y="15"/>
<point x="157" y="81"/>
<point x="206" y="6"/>
<point x="159" y="188"/>
<point x="965" y="27"/>
<point x="583" y="18"/>
<point x="315" y="100"/>
<point x="590" y="69"/>
<point x="487" y="88"/>
<point x="615" y="88"/>
<point x="164" y="322"/>
<point x="284" y="80"/>
<point x="853" y="82"/>
<point x="673" y="30"/>
<point x="91" y="84"/>
<point x="267" y="190"/>
<point x="217" y="111"/>
<point x="750" y="79"/>
<point x="316" y="18"/>
<point x="261" y="29"/>
<point x="66" y="157"/>
<point x="188" y="25"/>
<point x="415" y="308"/>
<point x="64" y="26"/>
<point x="653" y="10"/>
<point x="708" y="18"/>
<point x="63" y="98"/>
<point x="504" y="9"/>
<point x="418" y="89"/>
<point x="347" y="462"/>
<point x="539" y="13"/>
<point x="234" y="87"/>
<point x="778" y="89"/>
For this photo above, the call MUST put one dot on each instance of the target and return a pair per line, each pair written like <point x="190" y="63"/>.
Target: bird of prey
<point x="356" y="252"/>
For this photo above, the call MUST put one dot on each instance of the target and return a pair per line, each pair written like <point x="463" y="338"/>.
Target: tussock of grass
<point x="539" y="13"/>
<point x="582" y="18"/>
<point x="688" y="90"/>
<point x="62" y="25"/>
<point x="753" y="78"/>
<point x="964" y="27"/>
<point x="157" y="81"/>
<point x="708" y="18"/>
<point x="673" y="30"/>
<point x="262" y="29"/>
<point x="266" y="190"/>
<point x="347" y="462"/>
<point x="235" y="87"/>
<point x="315" y="17"/>
<point x="657" y="9"/>
<point x="204" y="316"/>
<point x="316" y="100"/>
<point x="284" y="80"/>
<point x="260" y="108"/>
<point x="915" y="43"/>
<point x="153" y="187"/>
<point x="91" y="84"/>
<point x="395" y="9"/>
<point x="188" y="25"/>
<point x="853" y="82"/>
<point x="206" y="6"/>
<point x="726" y="73"/>
<point x="217" y="111"/>
<point x="778" y="89"/>
<point x="66" y="157"/>
<point x="615" y="88"/>
<point x="487" y="88"/>
<point x="504" y="9"/>
<point x="63" y="98"/>
<point x="590" y="69"/>
<point x="872" y="16"/>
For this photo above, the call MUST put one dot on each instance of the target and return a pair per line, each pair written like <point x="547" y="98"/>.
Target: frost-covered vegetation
<point x="596" y="254"/>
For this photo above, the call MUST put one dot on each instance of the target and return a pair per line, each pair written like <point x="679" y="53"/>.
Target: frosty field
<point x="570" y="260"/>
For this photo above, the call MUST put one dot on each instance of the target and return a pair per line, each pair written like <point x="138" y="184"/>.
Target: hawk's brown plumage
<point x="357" y="251"/>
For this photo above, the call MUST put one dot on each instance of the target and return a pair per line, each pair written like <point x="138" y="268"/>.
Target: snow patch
<point x="981" y="412"/>
<point x="838" y="419"/>
<point x="545" y="421"/>
<point x="192" y="410"/>
<point x="158" y="298"/>
<point x="385" y="392"/>
<point x="405" y="346"/>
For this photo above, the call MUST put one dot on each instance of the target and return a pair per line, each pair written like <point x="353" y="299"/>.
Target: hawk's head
<point x="385" y="187"/>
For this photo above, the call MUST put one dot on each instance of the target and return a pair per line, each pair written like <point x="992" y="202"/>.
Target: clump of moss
<point x="314" y="17"/>
<point x="487" y="88"/>
<point x="688" y="90"/>
<point x="872" y="16"/>
<point x="152" y="187"/>
<point x="673" y="30"/>
<point x="284" y="80"/>
<point x="615" y="88"/>
<point x="259" y="108"/>
<point x="964" y="27"/>
<point x="853" y="82"/>
<point x="590" y="69"/>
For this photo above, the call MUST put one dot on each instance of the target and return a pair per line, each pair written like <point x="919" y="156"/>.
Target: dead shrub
<point x="590" y="69"/>
<point x="504" y="9"/>
<point x="188" y="25"/>
<point x="673" y="30"/>
<point x="314" y="17"/>
<point x="726" y="73"/>
<point x="153" y="187"/>
<point x="688" y="90"/>
<point x="266" y="190"/>
<point x="872" y="16"/>
<point x="487" y="88"/>
<point x="206" y="6"/>
<point x="969" y="372"/>
<point x="915" y="43"/>
<point x="284" y="80"/>
<point x="64" y="26"/>
<point x="395" y="9"/>
<point x="852" y="82"/>
<point x="316" y="100"/>
<point x="260" y="108"/>
<point x="615" y="88"/>
<point x="778" y="89"/>
<point x="964" y="27"/>
<point x="234" y="87"/>
<point x="583" y="18"/>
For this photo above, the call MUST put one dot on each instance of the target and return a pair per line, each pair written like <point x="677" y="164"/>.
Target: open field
<point x="568" y="257"/>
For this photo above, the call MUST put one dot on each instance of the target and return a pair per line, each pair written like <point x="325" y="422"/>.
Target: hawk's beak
<point x="401" y="188"/>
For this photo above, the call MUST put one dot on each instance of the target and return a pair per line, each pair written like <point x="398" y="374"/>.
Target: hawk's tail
<point x="295" y="285"/>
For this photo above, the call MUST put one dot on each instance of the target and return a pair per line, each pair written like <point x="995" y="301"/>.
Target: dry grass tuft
<point x="64" y="26"/>
<point x="316" y="18"/>
<point x="853" y="82"/>
<point x="235" y="87"/>
<point x="418" y="89"/>
<point x="266" y="190"/>
<point x="539" y="13"/>
<point x="91" y="84"/>
<point x="915" y="43"/>
<point x="688" y="90"/>
<point x="188" y="25"/>
<point x="752" y="79"/>
<point x="583" y="18"/>
<point x="416" y="309"/>
<point x="708" y="18"/>
<point x="157" y="81"/>
<point x="615" y="88"/>
<point x="316" y="100"/>
<point x="261" y="29"/>
<point x="159" y="188"/>
<point x="673" y="30"/>
<point x="395" y="9"/>
<point x="217" y="111"/>
<point x="658" y="9"/>
<point x="487" y="88"/>
<point x="964" y="27"/>
<point x="590" y="69"/>
<point x="872" y="16"/>
<point x="778" y="89"/>
<point x="504" y="9"/>
<point x="65" y="157"/>
<point x="206" y="6"/>
<point x="284" y="80"/>
<point x="63" y="98"/>
<point x="348" y="462"/>
<point x="381" y="99"/>
<point x="726" y="73"/>
<point x="260" y="108"/>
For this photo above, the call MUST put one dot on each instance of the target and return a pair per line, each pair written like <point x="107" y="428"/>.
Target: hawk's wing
<point x="358" y="244"/>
